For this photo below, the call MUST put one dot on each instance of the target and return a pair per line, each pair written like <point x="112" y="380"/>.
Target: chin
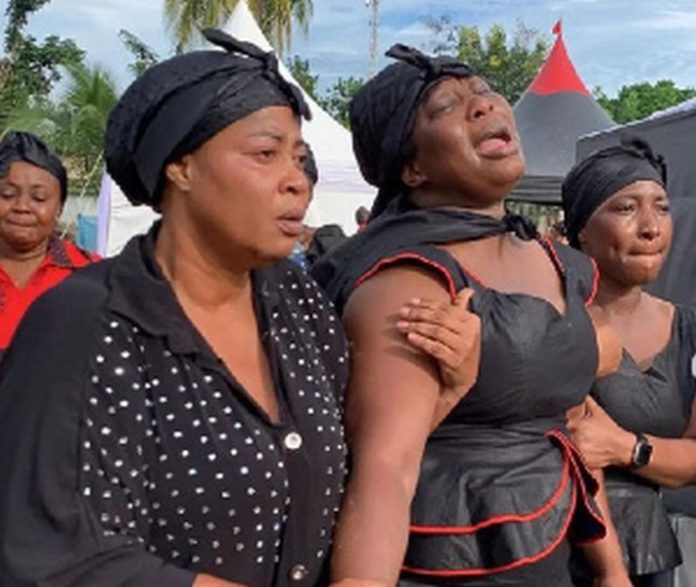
<point x="270" y="254"/>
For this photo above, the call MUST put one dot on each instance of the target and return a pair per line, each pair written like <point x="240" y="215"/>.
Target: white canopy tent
<point x="339" y="192"/>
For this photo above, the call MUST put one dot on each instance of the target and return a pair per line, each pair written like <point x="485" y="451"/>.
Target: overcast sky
<point x="612" y="42"/>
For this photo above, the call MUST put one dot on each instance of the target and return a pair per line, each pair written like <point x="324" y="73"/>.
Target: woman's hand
<point x="451" y="334"/>
<point x="601" y="441"/>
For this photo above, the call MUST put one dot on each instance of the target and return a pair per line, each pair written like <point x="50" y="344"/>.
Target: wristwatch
<point x="642" y="451"/>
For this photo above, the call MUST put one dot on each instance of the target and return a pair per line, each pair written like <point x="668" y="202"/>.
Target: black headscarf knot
<point x="595" y="179"/>
<point x="383" y="112"/>
<point x="433" y="68"/>
<point x="179" y="104"/>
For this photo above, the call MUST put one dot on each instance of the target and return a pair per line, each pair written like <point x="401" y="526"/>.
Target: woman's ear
<point x="412" y="176"/>
<point x="179" y="173"/>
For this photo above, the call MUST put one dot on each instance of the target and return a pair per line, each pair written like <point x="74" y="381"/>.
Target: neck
<point x="424" y="198"/>
<point x="194" y="275"/>
<point x="618" y="299"/>
<point x="21" y="264"/>
<point x="22" y="255"/>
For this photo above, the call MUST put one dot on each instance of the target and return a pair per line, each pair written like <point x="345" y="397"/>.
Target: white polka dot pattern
<point x="175" y="456"/>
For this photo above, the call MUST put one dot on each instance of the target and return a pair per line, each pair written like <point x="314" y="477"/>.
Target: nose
<point x="649" y="224"/>
<point x="295" y="180"/>
<point x="481" y="105"/>
<point x="22" y="203"/>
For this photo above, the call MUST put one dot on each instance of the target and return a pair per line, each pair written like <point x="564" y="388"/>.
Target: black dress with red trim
<point x="501" y="487"/>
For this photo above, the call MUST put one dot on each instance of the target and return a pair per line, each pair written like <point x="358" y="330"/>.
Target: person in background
<point x="488" y="490"/>
<point x="299" y="249"/>
<point x="362" y="215"/>
<point x="640" y="424"/>
<point x="33" y="259"/>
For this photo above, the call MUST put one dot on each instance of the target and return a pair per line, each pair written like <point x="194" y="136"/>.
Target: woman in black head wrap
<point x="33" y="258"/>
<point x="172" y="416"/>
<point x="641" y="423"/>
<point x="494" y="486"/>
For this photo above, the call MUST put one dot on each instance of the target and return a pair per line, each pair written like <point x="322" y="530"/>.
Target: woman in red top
<point x="33" y="189"/>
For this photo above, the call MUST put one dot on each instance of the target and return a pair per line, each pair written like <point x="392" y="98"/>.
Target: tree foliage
<point x="73" y="124"/>
<point x="143" y="55"/>
<point x="30" y="68"/>
<point x="508" y="63"/>
<point x="275" y="17"/>
<point x="337" y="99"/>
<point x="637" y="101"/>
<point x="302" y="73"/>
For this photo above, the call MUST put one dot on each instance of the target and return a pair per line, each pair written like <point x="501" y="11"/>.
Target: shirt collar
<point x="141" y="293"/>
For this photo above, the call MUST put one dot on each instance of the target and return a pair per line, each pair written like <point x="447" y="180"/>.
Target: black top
<point x="653" y="401"/>
<point x="130" y="456"/>
<point x="500" y="486"/>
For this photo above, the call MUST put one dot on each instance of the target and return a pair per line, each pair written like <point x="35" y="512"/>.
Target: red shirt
<point x="62" y="258"/>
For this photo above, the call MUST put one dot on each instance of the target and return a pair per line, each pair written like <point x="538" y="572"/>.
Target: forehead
<point x="448" y="84"/>
<point x="280" y="121"/>
<point x="643" y="188"/>
<point x="24" y="172"/>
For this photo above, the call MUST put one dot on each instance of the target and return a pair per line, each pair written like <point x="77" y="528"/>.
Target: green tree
<point x="637" y="101"/>
<point x="143" y="55"/>
<point x="300" y="70"/>
<point x="337" y="99"/>
<point x="74" y="124"/>
<point x="30" y="68"/>
<point x="275" y="17"/>
<point x="508" y="64"/>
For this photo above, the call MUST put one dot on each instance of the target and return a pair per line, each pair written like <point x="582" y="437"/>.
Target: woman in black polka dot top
<point x="172" y="417"/>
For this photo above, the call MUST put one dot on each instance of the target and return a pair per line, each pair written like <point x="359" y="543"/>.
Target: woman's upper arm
<point x="393" y="389"/>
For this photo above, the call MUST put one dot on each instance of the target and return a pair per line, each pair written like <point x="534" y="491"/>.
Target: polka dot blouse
<point x="131" y="456"/>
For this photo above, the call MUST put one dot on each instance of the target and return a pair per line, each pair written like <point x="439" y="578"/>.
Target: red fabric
<point x="61" y="259"/>
<point x="558" y="74"/>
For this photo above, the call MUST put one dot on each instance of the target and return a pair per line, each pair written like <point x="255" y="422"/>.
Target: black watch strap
<point x="642" y="451"/>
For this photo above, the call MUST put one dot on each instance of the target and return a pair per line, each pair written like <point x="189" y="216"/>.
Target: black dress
<point x="130" y="456"/>
<point x="501" y="488"/>
<point x="654" y="401"/>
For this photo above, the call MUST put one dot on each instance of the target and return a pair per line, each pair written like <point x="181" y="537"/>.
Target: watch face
<point x="643" y="452"/>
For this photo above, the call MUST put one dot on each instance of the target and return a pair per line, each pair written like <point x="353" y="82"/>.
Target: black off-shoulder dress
<point x="502" y="491"/>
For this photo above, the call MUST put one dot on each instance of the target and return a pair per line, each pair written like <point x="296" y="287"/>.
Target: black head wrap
<point x="24" y="146"/>
<point x="310" y="166"/>
<point x="383" y="111"/>
<point x="594" y="180"/>
<point x="177" y="105"/>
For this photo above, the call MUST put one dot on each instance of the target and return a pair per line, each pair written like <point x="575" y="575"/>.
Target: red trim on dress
<point x="553" y="253"/>
<point x="414" y="256"/>
<point x="503" y="518"/>
<point x="570" y="454"/>
<point x="521" y="562"/>
<point x="595" y="283"/>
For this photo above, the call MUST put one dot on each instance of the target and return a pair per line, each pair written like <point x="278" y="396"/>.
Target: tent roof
<point x="558" y="73"/>
<point x="553" y="112"/>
